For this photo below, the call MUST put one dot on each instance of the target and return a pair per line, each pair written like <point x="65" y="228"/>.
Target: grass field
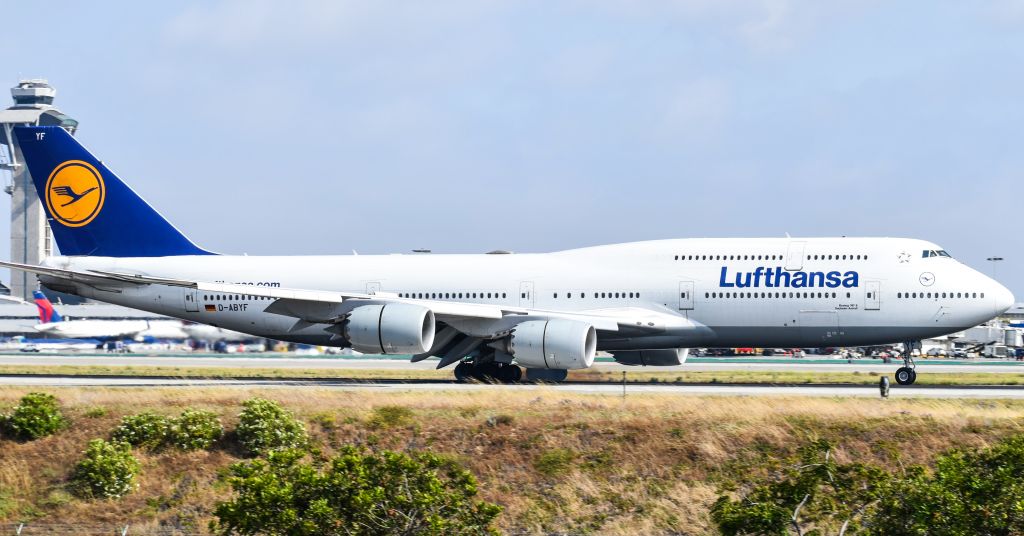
<point x="593" y="374"/>
<point x="556" y="462"/>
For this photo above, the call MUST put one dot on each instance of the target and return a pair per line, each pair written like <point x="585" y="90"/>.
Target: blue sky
<point x="308" y="126"/>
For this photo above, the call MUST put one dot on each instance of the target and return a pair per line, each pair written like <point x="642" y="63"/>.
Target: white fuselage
<point x="776" y="292"/>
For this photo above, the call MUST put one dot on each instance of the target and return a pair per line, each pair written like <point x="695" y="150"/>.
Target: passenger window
<point x="555" y="296"/>
<point x="568" y="295"/>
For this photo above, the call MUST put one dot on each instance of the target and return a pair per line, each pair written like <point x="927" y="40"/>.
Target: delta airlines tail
<point x="47" y="313"/>
<point x="495" y="314"/>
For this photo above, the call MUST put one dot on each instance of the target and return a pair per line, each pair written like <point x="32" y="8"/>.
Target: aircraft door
<point x="872" y="296"/>
<point x="526" y="294"/>
<point x="795" y="256"/>
<point x="685" y="295"/>
<point x="191" y="301"/>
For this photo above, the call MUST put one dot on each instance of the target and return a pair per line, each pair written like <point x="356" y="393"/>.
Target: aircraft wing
<point x="321" y="306"/>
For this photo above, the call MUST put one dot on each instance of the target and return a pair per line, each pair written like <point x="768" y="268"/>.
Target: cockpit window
<point x="935" y="253"/>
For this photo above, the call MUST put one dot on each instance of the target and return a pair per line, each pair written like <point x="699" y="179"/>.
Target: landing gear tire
<point x="905" y="376"/>
<point x="463" y="371"/>
<point x="546" y="375"/>
<point x="488" y="372"/>
<point x="510" y="373"/>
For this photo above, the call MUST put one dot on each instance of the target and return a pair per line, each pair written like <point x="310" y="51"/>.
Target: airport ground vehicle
<point x="646" y="303"/>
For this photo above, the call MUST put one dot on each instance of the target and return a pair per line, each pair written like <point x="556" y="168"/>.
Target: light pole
<point x="994" y="260"/>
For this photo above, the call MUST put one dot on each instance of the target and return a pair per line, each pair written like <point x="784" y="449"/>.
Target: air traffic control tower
<point x="30" y="234"/>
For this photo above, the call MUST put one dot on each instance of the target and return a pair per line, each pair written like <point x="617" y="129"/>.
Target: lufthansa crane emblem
<point x="927" y="279"/>
<point x="75" y="193"/>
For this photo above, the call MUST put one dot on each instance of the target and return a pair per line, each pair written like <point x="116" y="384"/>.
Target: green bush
<point x="354" y="493"/>
<point x="554" y="462"/>
<point x="147" y="430"/>
<point x="264" y="426"/>
<point x="107" y="470"/>
<point x="390" y="417"/>
<point x="966" y="492"/>
<point x="36" y="416"/>
<point x="195" y="429"/>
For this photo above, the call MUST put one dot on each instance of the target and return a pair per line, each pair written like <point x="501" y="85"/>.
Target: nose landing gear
<point x="906" y="375"/>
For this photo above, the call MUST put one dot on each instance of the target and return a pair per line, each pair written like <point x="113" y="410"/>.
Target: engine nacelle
<point x="393" y="328"/>
<point x="554" y="344"/>
<point x="652" y="358"/>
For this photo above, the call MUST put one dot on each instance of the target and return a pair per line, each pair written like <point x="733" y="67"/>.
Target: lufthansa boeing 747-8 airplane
<point x="494" y="314"/>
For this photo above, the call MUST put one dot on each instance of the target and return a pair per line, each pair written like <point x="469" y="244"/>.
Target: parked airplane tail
<point x="47" y="314"/>
<point x="91" y="211"/>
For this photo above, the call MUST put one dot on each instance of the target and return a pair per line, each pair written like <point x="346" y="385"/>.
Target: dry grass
<point x="595" y="374"/>
<point x="644" y="464"/>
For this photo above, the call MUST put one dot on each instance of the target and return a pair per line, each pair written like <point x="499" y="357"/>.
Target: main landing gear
<point x="492" y="372"/>
<point x="906" y="375"/>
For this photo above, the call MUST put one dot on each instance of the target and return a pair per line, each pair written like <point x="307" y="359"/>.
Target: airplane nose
<point x="1003" y="299"/>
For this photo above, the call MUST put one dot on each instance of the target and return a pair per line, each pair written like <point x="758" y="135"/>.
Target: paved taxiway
<point x="572" y="387"/>
<point x="335" y="363"/>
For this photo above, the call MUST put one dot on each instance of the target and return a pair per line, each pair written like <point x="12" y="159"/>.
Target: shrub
<point x="36" y="416"/>
<point x="390" y="417"/>
<point x="264" y="426"/>
<point x="354" y="493"/>
<point x="107" y="470"/>
<point x="146" y="429"/>
<point x="500" y="420"/>
<point x="195" y="429"/>
<point x="96" y="412"/>
<point x="554" y="462"/>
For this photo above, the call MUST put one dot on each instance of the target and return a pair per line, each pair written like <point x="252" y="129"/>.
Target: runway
<point x="342" y="363"/>
<point x="830" y="391"/>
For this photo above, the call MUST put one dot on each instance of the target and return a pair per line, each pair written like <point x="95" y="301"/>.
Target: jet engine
<point x="553" y="344"/>
<point x="393" y="328"/>
<point x="653" y="358"/>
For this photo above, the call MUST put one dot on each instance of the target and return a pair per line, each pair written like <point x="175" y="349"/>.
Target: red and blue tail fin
<point x="91" y="211"/>
<point x="47" y="313"/>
